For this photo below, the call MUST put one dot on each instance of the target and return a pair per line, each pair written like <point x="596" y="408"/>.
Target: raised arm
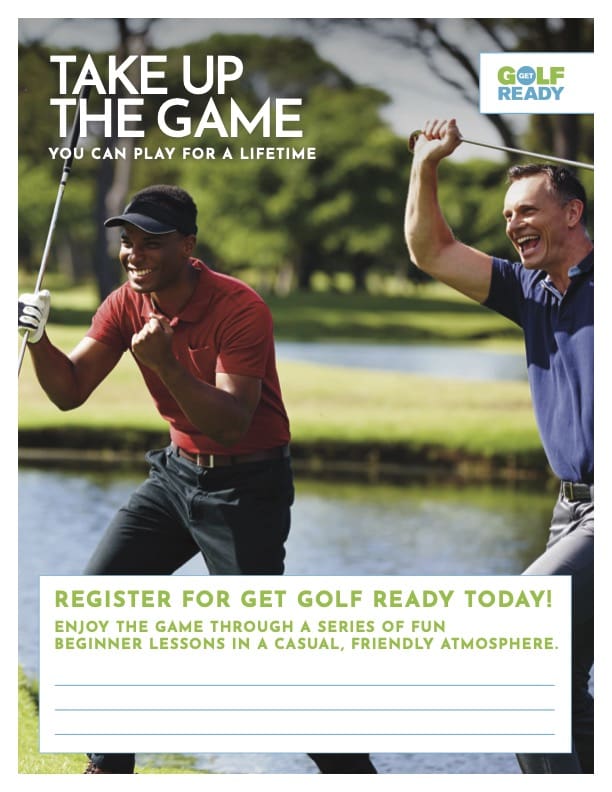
<point x="67" y="380"/>
<point x="431" y="243"/>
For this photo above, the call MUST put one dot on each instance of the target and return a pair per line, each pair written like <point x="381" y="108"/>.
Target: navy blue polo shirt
<point x="558" y="330"/>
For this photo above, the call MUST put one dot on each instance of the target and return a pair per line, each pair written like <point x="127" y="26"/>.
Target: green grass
<point x="325" y="404"/>
<point x="122" y="401"/>
<point x="31" y="761"/>
<point x="432" y="313"/>
<point x="384" y="407"/>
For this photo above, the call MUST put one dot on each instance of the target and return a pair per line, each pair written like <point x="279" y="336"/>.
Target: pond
<point x="338" y="529"/>
<point x="459" y="362"/>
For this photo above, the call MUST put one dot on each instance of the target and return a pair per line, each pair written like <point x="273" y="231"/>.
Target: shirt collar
<point x="586" y="265"/>
<point x="198" y="302"/>
<point x="201" y="297"/>
<point x="582" y="268"/>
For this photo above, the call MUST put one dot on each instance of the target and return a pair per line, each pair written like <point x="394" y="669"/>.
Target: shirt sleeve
<point x="246" y="342"/>
<point x="106" y="326"/>
<point x="506" y="295"/>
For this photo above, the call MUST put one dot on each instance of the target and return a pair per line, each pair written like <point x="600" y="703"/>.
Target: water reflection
<point x="420" y="530"/>
<point x="338" y="529"/>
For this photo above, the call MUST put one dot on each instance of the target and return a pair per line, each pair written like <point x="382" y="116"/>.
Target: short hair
<point x="562" y="181"/>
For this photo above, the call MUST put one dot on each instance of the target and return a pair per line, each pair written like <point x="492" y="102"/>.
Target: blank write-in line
<point x="302" y="685"/>
<point x="304" y="734"/>
<point x="304" y="709"/>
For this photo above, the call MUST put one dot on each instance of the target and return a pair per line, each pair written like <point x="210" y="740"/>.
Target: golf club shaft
<point x="74" y="137"/>
<point x="530" y="154"/>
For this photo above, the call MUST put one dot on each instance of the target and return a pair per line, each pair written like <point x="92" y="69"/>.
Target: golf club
<point x="414" y="135"/>
<point x="74" y="137"/>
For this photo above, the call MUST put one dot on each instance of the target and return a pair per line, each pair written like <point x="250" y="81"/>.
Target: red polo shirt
<point x="225" y="327"/>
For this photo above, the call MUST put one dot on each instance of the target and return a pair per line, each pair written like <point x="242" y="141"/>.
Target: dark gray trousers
<point x="237" y="517"/>
<point x="569" y="551"/>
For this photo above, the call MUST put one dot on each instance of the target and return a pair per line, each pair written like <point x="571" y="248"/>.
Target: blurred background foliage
<point x="283" y="226"/>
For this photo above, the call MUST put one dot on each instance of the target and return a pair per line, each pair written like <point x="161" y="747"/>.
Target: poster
<point x="177" y="145"/>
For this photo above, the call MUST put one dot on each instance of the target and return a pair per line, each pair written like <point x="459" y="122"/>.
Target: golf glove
<point x="33" y="314"/>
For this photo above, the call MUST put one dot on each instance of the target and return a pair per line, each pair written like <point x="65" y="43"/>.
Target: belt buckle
<point x="205" y="460"/>
<point x="576" y="491"/>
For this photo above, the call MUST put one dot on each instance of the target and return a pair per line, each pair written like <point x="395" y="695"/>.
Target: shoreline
<point x="360" y="461"/>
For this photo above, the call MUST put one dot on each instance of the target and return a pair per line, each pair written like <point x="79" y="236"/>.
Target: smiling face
<point x="155" y="262"/>
<point x="538" y="223"/>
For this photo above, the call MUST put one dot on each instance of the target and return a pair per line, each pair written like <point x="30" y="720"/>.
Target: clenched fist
<point x="152" y="345"/>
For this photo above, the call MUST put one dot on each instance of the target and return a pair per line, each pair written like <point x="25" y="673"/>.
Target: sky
<point x="414" y="94"/>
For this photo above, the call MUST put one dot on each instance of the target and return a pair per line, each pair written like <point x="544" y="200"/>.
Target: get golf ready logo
<point x="529" y="83"/>
<point x="541" y="82"/>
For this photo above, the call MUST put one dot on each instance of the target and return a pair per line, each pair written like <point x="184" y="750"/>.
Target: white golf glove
<point x="33" y="314"/>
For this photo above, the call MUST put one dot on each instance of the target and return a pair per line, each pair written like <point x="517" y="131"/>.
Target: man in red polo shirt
<point x="204" y="344"/>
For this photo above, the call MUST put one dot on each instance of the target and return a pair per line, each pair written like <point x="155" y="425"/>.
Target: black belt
<point x="577" y="491"/>
<point x="225" y="460"/>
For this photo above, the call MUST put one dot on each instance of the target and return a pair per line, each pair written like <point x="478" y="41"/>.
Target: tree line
<point x="278" y="220"/>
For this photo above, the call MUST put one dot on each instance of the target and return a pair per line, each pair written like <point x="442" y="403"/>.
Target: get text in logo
<point x="540" y="83"/>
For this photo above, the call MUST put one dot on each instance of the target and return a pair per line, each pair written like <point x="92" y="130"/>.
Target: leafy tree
<point x="281" y="220"/>
<point x="39" y="174"/>
<point x="449" y="50"/>
<point x="472" y="198"/>
<point x="288" y="218"/>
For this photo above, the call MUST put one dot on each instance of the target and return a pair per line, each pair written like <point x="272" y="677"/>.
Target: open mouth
<point x="139" y="275"/>
<point x="527" y="243"/>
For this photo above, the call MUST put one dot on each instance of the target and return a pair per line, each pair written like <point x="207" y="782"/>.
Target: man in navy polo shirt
<point x="550" y="295"/>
